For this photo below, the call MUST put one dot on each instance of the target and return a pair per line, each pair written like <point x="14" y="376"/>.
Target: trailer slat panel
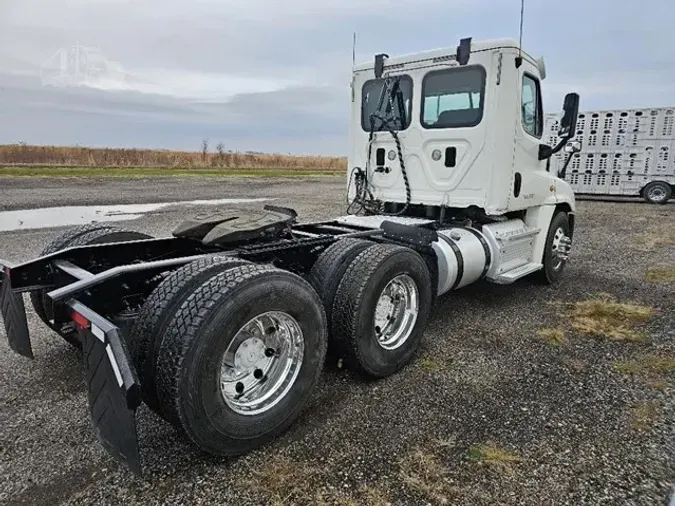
<point x="622" y="150"/>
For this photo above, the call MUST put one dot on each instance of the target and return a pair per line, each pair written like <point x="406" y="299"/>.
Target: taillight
<point x="80" y="320"/>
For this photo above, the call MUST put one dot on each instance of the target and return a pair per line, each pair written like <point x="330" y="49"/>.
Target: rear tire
<point x="190" y="369"/>
<point x="370" y="308"/>
<point x="159" y="308"/>
<point x="329" y="269"/>
<point x="657" y="192"/>
<point x="79" y="236"/>
<point x="61" y="242"/>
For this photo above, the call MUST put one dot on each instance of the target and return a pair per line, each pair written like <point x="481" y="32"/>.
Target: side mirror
<point x="572" y="147"/>
<point x="568" y="123"/>
<point x="568" y="127"/>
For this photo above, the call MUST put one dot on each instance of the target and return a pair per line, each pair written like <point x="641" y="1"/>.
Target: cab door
<point x="531" y="182"/>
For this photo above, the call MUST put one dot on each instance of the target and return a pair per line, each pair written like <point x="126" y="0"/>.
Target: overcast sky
<point x="271" y="75"/>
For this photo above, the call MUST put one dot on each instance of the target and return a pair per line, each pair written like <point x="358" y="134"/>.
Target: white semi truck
<point x="626" y="152"/>
<point x="223" y="327"/>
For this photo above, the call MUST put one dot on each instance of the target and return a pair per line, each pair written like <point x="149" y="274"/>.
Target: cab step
<point x="509" y="277"/>
<point x="512" y="243"/>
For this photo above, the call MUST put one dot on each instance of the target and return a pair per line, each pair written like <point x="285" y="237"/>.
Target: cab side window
<point x="531" y="107"/>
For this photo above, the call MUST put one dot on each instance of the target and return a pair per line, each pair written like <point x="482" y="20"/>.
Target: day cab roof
<point x="446" y="52"/>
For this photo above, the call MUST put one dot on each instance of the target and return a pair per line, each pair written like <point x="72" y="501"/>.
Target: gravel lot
<point x="489" y="413"/>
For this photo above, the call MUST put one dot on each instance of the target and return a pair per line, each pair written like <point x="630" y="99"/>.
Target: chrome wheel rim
<point x="656" y="194"/>
<point x="396" y="312"/>
<point x="557" y="240"/>
<point x="261" y="363"/>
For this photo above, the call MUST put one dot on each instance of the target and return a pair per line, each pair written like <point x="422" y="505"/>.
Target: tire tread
<point x="185" y="327"/>
<point x="328" y="270"/>
<point x="349" y="296"/>
<point x="157" y="312"/>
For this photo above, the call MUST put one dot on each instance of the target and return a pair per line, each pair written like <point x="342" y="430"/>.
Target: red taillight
<point x="6" y="272"/>
<point x="80" y="320"/>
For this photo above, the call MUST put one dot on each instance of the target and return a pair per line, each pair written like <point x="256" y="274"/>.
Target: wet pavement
<point x="50" y="217"/>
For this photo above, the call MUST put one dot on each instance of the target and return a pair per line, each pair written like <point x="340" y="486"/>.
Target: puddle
<point x="50" y="217"/>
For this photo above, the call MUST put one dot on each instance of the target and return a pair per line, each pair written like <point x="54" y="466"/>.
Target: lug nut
<point x="269" y="352"/>
<point x="239" y="387"/>
<point x="257" y="374"/>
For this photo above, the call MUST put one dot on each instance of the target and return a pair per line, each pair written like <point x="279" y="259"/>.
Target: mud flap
<point x="113" y="389"/>
<point x="14" y="315"/>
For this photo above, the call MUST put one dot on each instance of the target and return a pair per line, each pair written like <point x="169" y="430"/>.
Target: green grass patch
<point x="643" y="415"/>
<point x="647" y="365"/>
<point x="603" y="316"/>
<point x="490" y="453"/>
<point x="552" y="336"/>
<point x="143" y="172"/>
<point x="434" y="364"/>
<point x="661" y="274"/>
<point x="494" y="457"/>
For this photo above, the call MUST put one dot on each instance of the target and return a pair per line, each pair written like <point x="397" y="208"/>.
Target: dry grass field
<point x="69" y="156"/>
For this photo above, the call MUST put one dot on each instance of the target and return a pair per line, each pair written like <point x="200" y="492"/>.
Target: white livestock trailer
<point x="625" y="152"/>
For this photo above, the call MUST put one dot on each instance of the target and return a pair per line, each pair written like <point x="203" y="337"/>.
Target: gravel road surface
<point x="488" y="413"/>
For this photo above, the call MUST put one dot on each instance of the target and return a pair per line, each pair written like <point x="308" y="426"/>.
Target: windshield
<point x="401" y="87"/>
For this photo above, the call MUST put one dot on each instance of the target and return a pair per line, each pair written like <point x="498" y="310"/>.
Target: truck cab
<point x="471" y="129"/>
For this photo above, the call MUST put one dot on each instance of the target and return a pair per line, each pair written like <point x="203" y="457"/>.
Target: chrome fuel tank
<point x="464" y="256"/>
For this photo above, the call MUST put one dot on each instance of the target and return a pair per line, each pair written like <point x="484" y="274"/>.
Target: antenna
<point x="519" y="58"/>
<point x="353" y="64"/>
<point x="522" y="17"/>
<point x="354" y="51"/>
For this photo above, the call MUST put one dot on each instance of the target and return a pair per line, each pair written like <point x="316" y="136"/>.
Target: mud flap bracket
<point x="112" y="385"/>
<point x="14" y="314"/>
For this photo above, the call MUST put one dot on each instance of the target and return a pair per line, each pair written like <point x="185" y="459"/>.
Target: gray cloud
<point x="274" y="76"/>
<point x="288" y="120"/>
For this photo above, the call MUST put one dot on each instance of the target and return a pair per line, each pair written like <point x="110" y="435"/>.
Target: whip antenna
<point x="354" y="51"/>
<point x="519" y="59"/>
<point x="522" y="17"/>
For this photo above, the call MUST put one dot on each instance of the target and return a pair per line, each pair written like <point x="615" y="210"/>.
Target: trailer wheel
<point x="159" y="308"/>
<point x="381" y="308"/>
<point x="553" y="264"/>
<point x="79" y="236"/>
<point x="241" y="358"/>
<point x="657" y="192"/>
<point x="331" y="266"/>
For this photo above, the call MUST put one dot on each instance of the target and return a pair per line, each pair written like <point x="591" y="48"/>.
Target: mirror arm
<point x="563" y="172"/>
<point x="546" y="151"/>
<point x="561" y="144"/>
